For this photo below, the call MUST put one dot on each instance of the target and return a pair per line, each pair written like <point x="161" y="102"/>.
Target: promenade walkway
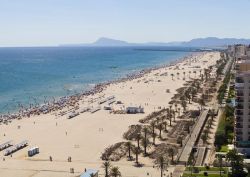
<point x="193" y="137"/>
<point x="200" y="156"/>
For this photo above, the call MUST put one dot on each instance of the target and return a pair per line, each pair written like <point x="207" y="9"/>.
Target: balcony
<point x="238" y="134"/>
<point x="238" y="130"/>
<point x="238" y="138"/>
<point x="239" y="113"/>
<point x="239" y="80"/>
<point x="239" y="94"/>
<point x="239" y="100"/>
<point x="239" y="85"/>
<point x="239" y="107"/>
<point x="239" y="126"/>
<point x="241" y="143"/>
<point x="239" y="120"/>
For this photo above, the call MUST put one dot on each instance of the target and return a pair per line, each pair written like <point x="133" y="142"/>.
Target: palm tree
<point x="179" y="140"/>
<point x="194" y="73"/>
<point x="115" y="172"/>
<point x="171" y="153"/>
<point x="202" y="77"/>
<point x="153" y="131"/>
<point x="209" y="122"/>
<point x="220" y="162"/>
<point x="193" y="93"/>
<point x="204" y="138"/>
<point x="173" y="113"/>
<point x="200" y="73"/>
<point x="206" y="74"/>
<point x="189" y="73"/>
<point x="187" y="94"/>
<point x="206" y="132"/>
<point x="184" y="105"/>
<point x="160" y="127"/>
<point x="145" y="140"/>
<point x="175" y="105"/>
<point x="212" y="114"/>
<point x="137" y="152"/>
<point x="184" y="73"/>
<point x="161" y="163"/>
<point x="178" y="74"/>
<point x="170" y="107"/>
<point x="179" y="111"/>
<point x="145" y="131"/>
<point x="172" y="75"/>
<point x="129" y="146"/>
<point x="202" y="101"/>
<point x="145" y="143"/>
<point x="190" y="162"/>
<point x="165" y="123"/>
<point x="138" y="137"/>
<point x="236" y="162"/>
<point x="169" y="115"/>
<point x="106" y="165"/>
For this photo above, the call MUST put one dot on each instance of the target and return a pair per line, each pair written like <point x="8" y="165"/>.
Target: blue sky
<point x="52" y="22"/>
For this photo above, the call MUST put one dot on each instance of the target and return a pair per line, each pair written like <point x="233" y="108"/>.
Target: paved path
<point x="193" y="137"/>
<point x="200" y="156"/>
<point x="178" y="171"/>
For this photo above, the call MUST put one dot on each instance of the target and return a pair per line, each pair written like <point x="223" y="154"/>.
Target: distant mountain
<point x="199" y="42"/>
<point x="102" y="42"/>
<point x="214" y="42"/>
<point x="109" y="42"/>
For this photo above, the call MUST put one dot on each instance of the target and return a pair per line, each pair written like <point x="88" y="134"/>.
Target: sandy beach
<point x="85" y="136"/>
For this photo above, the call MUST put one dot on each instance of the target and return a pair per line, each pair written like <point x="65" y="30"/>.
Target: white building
<point x="242" y="109"/>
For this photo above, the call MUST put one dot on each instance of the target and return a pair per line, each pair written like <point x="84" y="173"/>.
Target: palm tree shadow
<point x="138" y="165"/>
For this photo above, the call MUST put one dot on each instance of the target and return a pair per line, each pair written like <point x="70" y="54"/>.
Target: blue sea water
<point x="31" y="75"/>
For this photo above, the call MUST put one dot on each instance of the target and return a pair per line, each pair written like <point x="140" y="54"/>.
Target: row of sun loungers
<point x="85" y="109"/>
<point x="5" y="145"/>
<point x="110" y="101"/>
<point x="93" y="110"/>
<point x="15" y="148"/>
<point x="73" y="114"/>
<point x="106" y="99"/>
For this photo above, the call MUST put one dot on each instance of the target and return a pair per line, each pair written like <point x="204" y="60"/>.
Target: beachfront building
<point x="134" y="110"/>
<point x="248" y="51"/>
<point x="239" y="50"/>
<point x="33" y="151"/>
<point x="242" y="109"/>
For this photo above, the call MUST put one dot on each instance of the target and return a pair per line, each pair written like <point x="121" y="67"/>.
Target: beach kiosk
<point x="33" y="151"/>
<point x="90" y="173"/>
<point x="134" y="110"/>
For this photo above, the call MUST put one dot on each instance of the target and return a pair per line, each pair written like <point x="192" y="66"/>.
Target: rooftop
<point x="88" y="173"/>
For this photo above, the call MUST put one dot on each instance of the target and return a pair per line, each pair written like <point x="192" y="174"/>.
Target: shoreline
<point x="63" y="101"/>
<point x="85" y="137"/>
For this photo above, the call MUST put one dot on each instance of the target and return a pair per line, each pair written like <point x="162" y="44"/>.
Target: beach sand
<point x="86" y="136"/>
